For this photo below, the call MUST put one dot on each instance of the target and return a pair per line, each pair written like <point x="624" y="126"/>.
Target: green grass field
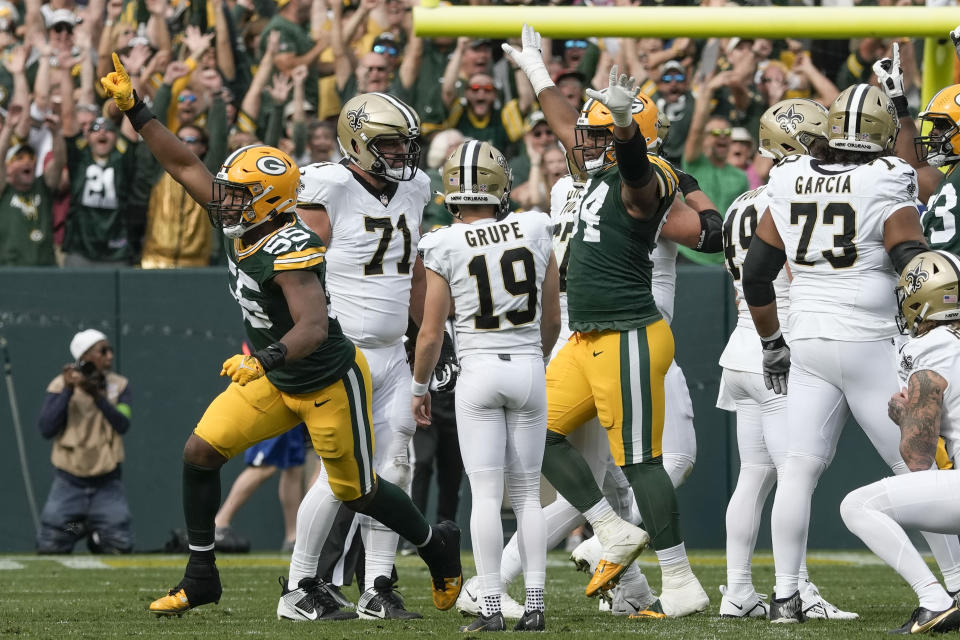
<point x="99" y="598"/>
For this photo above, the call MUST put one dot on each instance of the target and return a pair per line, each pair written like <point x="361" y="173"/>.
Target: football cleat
<point x="815" y="606"/>
<point x="383" y="602"/>
<point x="622" y="543"/>
<point x="955" y="595"/>
<point x="786" y="611"/>
<point x="200" y="585"/>
<point x="468" y="603"/>
<point x="627" y="601"/>
<point x="337" y="594"/>
<point x="229" y="541"/>
<point x="309" y="601"/>
<point x="493" y="622"/>
<point x="752" y="606"/>
<point x="586" y="555"/>
<point x="531" y="621"/>
<point x="443" y="561"/>
<point x="926" y="621"/>
<point x="677" y="602"/>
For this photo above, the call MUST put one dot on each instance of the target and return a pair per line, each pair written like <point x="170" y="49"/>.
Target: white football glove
<point x="890" y="74"/>
<point x="618" y="97"/>
<point x="530" y="59"/>
<point x="955" y="36"/>
<point x="776" y="363"/>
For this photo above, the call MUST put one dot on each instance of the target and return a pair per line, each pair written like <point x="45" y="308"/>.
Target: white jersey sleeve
<point x="372" y="249"/>
<point x="831" y="219"/>
<point x="939" y="351"/>
<point x="495" y="270"/>
<point x="564" y="199"/>
<point x="743" y="350"/>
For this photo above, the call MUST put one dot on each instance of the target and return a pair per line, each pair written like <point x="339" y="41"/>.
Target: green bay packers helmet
<point x="594" y="132"/>
<point x="862" y="118"/>
<point x="941" y="145"/>
<point x="255" y="184"/>
<point x="789" y="127"/>
<point x="379" y="134"/>
<point x="476" y="173"/>
<point x="928" y="290"/>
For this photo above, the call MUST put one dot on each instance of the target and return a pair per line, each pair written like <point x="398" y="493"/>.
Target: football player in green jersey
<point x="304" y="369"/>
<point x="614" y="365"/>
<point x="940" y="147"/>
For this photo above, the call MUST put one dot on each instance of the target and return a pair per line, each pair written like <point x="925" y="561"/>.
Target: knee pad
<point x="678" y="467"/>
<point x="397" y="471"/>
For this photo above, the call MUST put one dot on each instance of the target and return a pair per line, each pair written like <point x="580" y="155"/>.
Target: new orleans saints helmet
<point x="476" y="173"/>
<point x="789" y="127"/>
<point x="862" y="118"/>
<point x="371" y="120"/>
<point x="941" y="146"/>
<point x="255" y="184"/>
<point x="594" y="132"/>
<point x="928" y="290"/>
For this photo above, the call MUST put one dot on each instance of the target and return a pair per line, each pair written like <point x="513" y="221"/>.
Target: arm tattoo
<point x="920" y="420"/>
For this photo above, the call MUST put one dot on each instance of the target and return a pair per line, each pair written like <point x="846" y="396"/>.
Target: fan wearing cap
<point x="86" y="411"/>
<point x="26" y="200"/>
<point x="675" y="100"/>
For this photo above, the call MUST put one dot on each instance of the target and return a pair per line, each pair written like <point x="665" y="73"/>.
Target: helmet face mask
<point x="928" y="290"/>
<point x="395" y="165"/>
<point x="939" y="146"/>
<point x="594" y="132"/>
<point x="378" y="133"/>
<point x="476" y="173"/>
<point x="594" y="148"/>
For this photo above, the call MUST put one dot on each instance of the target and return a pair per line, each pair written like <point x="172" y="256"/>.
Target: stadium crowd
<point x="228" y="73"/>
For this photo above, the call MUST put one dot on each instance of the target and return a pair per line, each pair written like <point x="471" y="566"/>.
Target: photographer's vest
<point x="88" y="446"/>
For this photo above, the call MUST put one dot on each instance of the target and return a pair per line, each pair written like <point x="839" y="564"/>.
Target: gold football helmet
<point x="379" y="134"/>
<point x="663" y="130"/>
<point x="476" y="173"/>
<point x="594" y="132"/>
<point x="928" y="290"/>
<point x="941" y="145"/>
<point x="789" y="127"/>
<point x="255" y="184"/>
<point x="862" y="118"/>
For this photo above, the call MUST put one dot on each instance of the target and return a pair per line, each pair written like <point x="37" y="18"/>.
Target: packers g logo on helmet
<point x="594" y="132"/>
<point x="378" y="133"/>
<point x="255" y="184"/>
<point x="928" y="289"/>
<point x="862" y="118"/>
<point x="790" y="127"/>
<point x="476" y="173"/>
<point x="941" y="145"/>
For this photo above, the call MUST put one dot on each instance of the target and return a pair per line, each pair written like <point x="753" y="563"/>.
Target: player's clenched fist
<point x="118" y="86"/>
<point x="242" y="369"/>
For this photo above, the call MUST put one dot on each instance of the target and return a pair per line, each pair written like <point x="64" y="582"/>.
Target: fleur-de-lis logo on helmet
<point x="357" y="117"/>
<point x="915" y="278"/>
<point x="789" y="120"/>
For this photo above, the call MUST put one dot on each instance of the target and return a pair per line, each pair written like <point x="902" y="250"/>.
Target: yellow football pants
<point x="618" y="377"/>
<point x="338" y="418"/>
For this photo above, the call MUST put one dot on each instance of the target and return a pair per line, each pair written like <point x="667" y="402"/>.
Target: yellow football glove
<point x="118" y="86"/>
<point x="242" y="369"/>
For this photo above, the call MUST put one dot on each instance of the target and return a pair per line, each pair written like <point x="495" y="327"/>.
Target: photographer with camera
<point x="86" y="411"/>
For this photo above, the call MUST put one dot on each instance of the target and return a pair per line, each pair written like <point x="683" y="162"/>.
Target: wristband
<point x="900" y="103"/>
<point x="419" y="388"/>
<point x="272" y="356"/>
<point x="773" y="341"/>
<point x="139" y="114"/>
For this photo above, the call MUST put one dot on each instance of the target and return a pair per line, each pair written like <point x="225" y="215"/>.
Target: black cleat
<point x="926" y="621"/>
<point x="494" y="622"/>
<point x="383" y="602"/>
<point x="200" y="585"/>
<point x="531" y="621"/>
<point x="786" y="610"/>
<point x="309" y="601"/>
<point x="443" y="559"/>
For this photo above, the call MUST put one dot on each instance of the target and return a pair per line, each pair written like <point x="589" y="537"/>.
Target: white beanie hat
<point x="84" y="340"/>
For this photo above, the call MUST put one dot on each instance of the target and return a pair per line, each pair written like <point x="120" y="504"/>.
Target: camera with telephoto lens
<point x="93" y="378"/>
<point x="86" y="368"/>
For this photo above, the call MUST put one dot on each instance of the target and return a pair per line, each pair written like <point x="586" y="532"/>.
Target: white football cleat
<point x="627" y="601"/>
<point x="622" y="542"/>
<point x="586" y="555"/>
<point x="815" y="606"/>
<point x="468" y="602"/>
<point x="684" y="599"/>
<point x="752" y="606"/>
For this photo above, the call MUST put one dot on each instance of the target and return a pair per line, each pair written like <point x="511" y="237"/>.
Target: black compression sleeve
<point x="686" y="182"/>
<point x="272" y="356"/>
<point x="711" y="232"/>
<point x="632" y="161"/>
<point x="904" y="252"/>
<point x="760" y="269"/>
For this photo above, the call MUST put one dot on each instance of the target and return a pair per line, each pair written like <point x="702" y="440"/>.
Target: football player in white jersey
<point x="926" y="408"/>
<point x="788" y="128"/>
<point x="840" y="222"/>
<point x="498" y="272"/>
<point x="367" y="210"/>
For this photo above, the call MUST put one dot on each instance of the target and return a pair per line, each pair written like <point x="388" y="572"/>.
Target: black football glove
<point x="447" y="370"/>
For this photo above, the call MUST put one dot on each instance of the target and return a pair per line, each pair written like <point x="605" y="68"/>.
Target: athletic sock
<point x="565" y="468"/>
<point x="393" y="508"/>
<point x="600" y="514"/>
<point x="534" y="600"/>
<point x="490" y="605"/>
<point x="657" y="502"/>
<point x="933" y="597"/>
<point x="201" y="499"/>
<point x="674" y="566"/>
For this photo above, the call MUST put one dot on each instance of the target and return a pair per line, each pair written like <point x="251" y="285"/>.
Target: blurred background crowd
<point x="77" y="189"/>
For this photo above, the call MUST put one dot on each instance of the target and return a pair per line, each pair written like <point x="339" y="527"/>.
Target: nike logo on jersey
<point x="320" y="404"/>
<point x="596" y="353"/>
